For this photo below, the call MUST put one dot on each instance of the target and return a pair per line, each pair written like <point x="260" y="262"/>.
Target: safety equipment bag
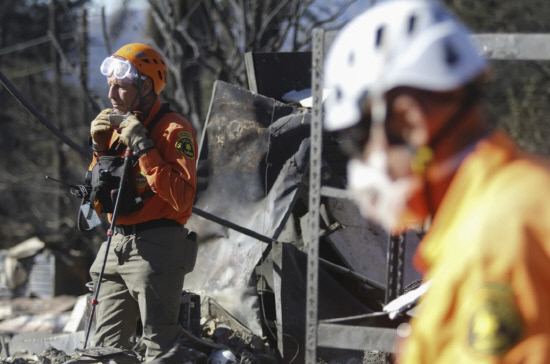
<point x="105" y="182"/>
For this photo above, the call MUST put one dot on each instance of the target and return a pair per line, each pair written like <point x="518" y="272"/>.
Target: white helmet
<point x="415" y="43"/>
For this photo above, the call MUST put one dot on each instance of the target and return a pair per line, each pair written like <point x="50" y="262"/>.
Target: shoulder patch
<point x="185" y="144"/>
<point x="495" y="325"/>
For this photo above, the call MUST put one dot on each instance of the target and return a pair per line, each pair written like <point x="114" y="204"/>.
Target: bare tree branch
<point x="106" y="39"/>
<point x="269" y="20"/>
<point x="205" y="40"/>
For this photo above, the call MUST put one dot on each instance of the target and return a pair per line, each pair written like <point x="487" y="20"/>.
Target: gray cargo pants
<point x="143" y="278"/>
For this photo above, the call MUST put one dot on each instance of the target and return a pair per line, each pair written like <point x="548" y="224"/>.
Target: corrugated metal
<point x="41" y="281"/>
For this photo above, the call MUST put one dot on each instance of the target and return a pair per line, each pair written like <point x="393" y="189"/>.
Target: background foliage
<point x="519" y="92"/>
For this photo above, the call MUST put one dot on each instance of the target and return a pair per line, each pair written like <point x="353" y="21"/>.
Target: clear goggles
<point x="121" y="69"/>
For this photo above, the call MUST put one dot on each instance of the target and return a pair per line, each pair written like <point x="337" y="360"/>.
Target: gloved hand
<point x="134" y="135"/>
<point x="101" y="130"/>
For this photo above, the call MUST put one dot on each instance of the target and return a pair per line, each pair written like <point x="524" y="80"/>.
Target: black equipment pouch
<point x="106" y="176"/>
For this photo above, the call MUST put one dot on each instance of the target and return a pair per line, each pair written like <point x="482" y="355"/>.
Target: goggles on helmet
<point x="121" y="69"/>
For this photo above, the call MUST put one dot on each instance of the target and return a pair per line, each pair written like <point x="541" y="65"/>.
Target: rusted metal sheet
<point x="250" y="166"/>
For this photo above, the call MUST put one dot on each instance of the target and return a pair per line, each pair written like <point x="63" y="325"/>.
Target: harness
<point x="103" y="180"/>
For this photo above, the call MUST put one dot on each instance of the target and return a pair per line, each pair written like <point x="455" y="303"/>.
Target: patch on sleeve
<point x="185" y="144"/>
<point x="495" y="325"/>
<point x="141" y="180"/>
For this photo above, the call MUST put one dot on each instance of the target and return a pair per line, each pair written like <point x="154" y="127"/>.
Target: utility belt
<point x="151" y="224"/>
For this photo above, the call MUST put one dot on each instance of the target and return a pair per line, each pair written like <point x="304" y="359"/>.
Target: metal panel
<point x="395" y="267"/>
<point x="312" y="239"/>
<point x="356" y="337"/>
<point x="501" y="46"/>
<point x="274" y="74"/>
<point x="248" y="180"/>
<point x="334" y="192"/>
<point x="514" y="46"/>
<point x="41" y="282"/>
<point x="334" y="300"/>
<point x="250" y="73"/>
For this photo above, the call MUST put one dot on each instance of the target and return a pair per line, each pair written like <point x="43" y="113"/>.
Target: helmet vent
<point x="146" y="60"/>
<point x="379" y="37"/>
<point x="338" y="93"/>
<point x="160" y="74"/>
<point x="155" y="61"/>
<point x="140" y="54"/>
<point x="351" y="59"/>
<point x="412" y="24"/>
<point x="451" y="55"/>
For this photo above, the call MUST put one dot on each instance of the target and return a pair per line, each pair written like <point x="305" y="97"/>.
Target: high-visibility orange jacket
<point x="169" y="170"/>
<point x="488" y="256"/>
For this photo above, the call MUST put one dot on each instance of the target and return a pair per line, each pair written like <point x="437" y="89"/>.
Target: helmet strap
<point x="131" y="108"/>
<point x="139" y="95"/>
<point x="424" y="155"/>
<point x="471" y="94"/>
<point x="139" y="85"/>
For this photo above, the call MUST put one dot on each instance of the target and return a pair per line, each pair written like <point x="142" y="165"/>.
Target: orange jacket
<point x="488" y="255"/>
<point x="169" y="170"/>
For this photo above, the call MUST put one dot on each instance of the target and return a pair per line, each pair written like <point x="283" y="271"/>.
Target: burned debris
<point x="245" y="300"/>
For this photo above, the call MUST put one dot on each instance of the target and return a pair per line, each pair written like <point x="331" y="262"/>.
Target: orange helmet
<point x="147" y="61"/>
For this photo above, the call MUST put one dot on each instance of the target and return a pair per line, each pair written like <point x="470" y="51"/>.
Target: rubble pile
<point x="216" y="338"/>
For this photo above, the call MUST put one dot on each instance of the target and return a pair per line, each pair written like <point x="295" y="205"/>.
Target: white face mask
<point x="378" y="196"/>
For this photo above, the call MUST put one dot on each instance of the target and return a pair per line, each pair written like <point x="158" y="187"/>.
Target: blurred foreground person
<point x="406" y="105"/>
<point x="149" y="253"/>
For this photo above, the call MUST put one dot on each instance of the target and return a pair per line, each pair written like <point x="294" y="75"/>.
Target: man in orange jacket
<point x="405" y="102"/>
<point x="144" y="272"/>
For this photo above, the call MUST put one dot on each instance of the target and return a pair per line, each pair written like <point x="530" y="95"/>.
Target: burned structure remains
<point x="287" y="270"/>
